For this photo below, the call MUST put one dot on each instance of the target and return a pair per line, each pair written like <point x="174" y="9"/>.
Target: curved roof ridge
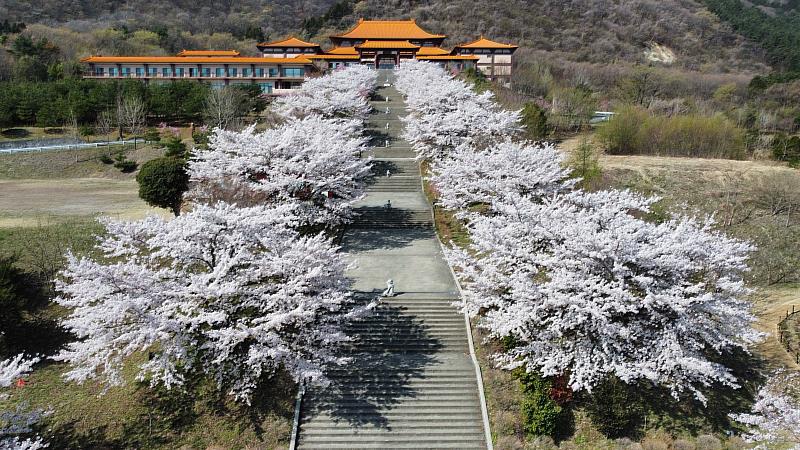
<point x="387" y="29"/>
<point x="291" y="41"/>
<point x="483" y="42"/>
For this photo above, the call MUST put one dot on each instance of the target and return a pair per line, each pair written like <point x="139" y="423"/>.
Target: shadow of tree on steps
<point x="391" y="349"/>
<point x="381" y="239"/>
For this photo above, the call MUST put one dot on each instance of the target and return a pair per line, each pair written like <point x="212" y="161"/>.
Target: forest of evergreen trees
<point x="778" y="34"/>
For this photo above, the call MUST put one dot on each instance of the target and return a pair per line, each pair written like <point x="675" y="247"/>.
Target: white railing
<point x="67" y="146"/>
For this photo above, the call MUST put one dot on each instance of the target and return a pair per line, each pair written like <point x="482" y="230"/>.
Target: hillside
<point x="597" y="31"/>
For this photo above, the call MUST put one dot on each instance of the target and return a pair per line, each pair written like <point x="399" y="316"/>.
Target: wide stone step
<point x="396" y="167"/>
<point x="390" y="437"/>
<point x="367" y="388"/>
<point x="397" y="426"/>
<point x="407" y="316"/>
<point x="390" y="152"/>
<point x="393" y="446"/>
<point x="367" y="435"/>
<point x="420" y="322"/>
<point x="391" y="225"/>
<point x="394" y="181"/>
<point x="404" y="329"/>
<point x="432" y="395"/>
<point x="386" y="305"/>
<point x="373" y="341"/>
<point x="406" y="349"/>
<point x="390" y="304"/>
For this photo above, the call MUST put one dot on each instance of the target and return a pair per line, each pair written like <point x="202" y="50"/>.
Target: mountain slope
<point x="599" y="31"/>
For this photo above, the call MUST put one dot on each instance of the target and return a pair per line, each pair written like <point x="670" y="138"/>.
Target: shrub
<point x="786" y="148"/>
<point x="152" y="135"/>
<point x="15" y="297"/>
<point x="126" y="166"/>
<point x="633" y="131"/>
<point x="534" y="119"/>
<point x="708" y="442"/>
<point x="477" y="78"/>
<point x="105" y="159"/>
<point x="86" y="130"/>
<point x="615" y="409"/>
<point x="200" y="139"/>
<point x="585" y="163"/>
<point x="540" y="413"/>
<point x="162" y="182"/>
<point x="175" y="147"/>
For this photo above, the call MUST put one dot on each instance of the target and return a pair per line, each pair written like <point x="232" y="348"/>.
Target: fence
<point x="789" y="333"/>
<point x="43" y="148"/>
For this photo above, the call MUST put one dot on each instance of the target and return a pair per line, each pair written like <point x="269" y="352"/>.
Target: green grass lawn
<point x="82" y="163"/>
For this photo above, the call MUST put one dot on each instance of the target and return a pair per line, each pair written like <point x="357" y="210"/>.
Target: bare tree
<point x="132" y="115"/>
<point x="779" y="195"/>
<point x="223" y="107"/>
<point x="71" y="122"/>
<point x="105" y="123"/>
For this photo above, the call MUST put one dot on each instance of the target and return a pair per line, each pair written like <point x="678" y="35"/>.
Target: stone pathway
<point x="412" y="383"/>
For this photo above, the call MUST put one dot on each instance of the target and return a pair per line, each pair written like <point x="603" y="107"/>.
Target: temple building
<point x="284" y="64"/>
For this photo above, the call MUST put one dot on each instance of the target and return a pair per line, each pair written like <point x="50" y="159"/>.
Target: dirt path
<point x="24" y="202"/>
<point x="770" y="307"/>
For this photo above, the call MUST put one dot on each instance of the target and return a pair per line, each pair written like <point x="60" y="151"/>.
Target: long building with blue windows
<point x="284" y="64"/>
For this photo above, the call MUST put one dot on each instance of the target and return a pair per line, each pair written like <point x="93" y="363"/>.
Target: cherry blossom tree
<point x="774" y="418"/>
<point x="311" y="164"/>
<point x="230" y="292"/>
<point x="18" y="423"/>
<point x="585" y="289"/>
<point x="468" y="176"/>
<point x="342" y="94"/>
<point x="446" y="112"/>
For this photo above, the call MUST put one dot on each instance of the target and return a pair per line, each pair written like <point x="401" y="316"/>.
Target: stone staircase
<point x="411" y="383"/>
<point x="408" y="386"/>
<point x="381" y="217"/>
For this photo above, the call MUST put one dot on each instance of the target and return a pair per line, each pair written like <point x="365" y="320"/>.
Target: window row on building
<point x="195" y="72"/>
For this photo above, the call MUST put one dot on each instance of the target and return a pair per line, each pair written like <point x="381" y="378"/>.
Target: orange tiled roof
<point x="288" y="42"/>
<point x="388" y="29"/>
<point x="431" y="51"/>
<point x="387" y="44"/>
<point x="448" y="57"/>
<point x="329" y="56"/>
<point x="208" y="53"/>
<point x="342" y="51"/>
<point x="482" y="42"/>
<point x="194" y="59"/>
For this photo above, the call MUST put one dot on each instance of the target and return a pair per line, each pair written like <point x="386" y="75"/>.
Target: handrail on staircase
<point x="301" y="390"/>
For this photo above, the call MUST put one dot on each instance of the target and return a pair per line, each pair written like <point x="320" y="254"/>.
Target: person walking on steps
<point x="389" y="292"/>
